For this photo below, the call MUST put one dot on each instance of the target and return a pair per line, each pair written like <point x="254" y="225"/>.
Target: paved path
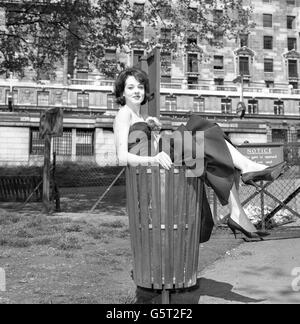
<point x="259" y="272"/>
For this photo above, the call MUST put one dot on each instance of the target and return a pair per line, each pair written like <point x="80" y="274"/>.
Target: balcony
<point x="279" y="91"/>
<point x="293" y="77"/>
<point x="269" y="76"/>
<point x="219" y="73"/>
<point x="226" y="88"/>
<point x="92" y="82"/>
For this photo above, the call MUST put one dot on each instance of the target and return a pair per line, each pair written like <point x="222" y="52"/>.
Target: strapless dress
<point x="219" y="171"/>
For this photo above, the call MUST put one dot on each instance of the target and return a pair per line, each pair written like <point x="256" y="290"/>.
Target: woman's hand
<point x="164" y="160"/>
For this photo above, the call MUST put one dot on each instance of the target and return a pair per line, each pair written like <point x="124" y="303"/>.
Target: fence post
<point x="46" y="175"/>
<point x="262" y="196"/>
<point x="56" y="194"/>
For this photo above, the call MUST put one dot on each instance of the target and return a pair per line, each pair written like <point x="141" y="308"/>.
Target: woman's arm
<point x="121" y="131"/>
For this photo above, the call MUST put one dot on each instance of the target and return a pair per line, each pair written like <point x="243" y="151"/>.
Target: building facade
<point x="261" y="69"/>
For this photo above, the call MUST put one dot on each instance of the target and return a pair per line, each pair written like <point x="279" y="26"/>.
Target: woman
<point x="223" y="162"/>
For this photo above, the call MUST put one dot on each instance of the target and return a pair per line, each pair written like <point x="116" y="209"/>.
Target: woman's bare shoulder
<point x="123" y="118"/>
<point x="123" y="114"/>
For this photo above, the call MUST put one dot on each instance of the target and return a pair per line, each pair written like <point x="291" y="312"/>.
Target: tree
<point x="39" y="34"/>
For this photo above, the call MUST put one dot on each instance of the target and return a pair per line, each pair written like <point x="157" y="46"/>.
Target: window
<point x="291" y="2"/>
<point x="138" y="34"/>
<point x="295" y="85"/>
<point x="291" y="22"/>
<point x="244" y="39"/>
<point x="37" y="145"/>
<point x="218" y="38"/>
<point x="84" y="142"/>
<point x="253" y="107"/>
<point x="166" y="79"/>
<point x="43" y="98"/>
<point x="63" y="145"/>
<point x="293" y="68"/>
<point x="269" y="84"/>
<point x="192" y="63"/>
<point x="219" y="81"/>
<point x="165" y="11"/>
<point x="82" y="75"/>
<point x="82" y="60"/>
<point x="267" y="20"/>
<point x="218" y="62"/>
<point x="137" y="55"/>
<point x="268" y="42"/>
<point x="268" y="65"/>
<point x="166" y="64"/>
<point x="292" y="43"/>
<point x="192" y="80"/>
<point x="279" y="136"/>
<point x="244" y="65"/>
<point x="83" y="100"/>
<point x="278" y="107"/>
<point x="171" y="103"/>
<point x="110" y="54"/>
<point x="165" y="35"/>
<point x="226" y="106"/>
<point x="218" y="15"/>
<point x="58" y="98"/>
<point x="111" y="101"/>
<point x="199" y="104"/>
<point x="12" y="96"/>
<point x="193" y="15"/>
<point x="192" y="41"/>
<point x="138" y="11"/>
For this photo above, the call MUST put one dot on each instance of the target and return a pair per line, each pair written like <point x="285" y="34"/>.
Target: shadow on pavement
<point x="205" y="287"/>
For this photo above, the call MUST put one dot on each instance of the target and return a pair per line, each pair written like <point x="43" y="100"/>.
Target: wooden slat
<point x="163" y="215"/>
<point x="165" y="219"/>
<point x="150" y="221"/>
<point x="191" y="214"/>
<point x="137" y="225"/>
<point x="18" y="188"/>
<point x="188" y="231"/>
<point x="157" y="255"/>
<point x="180" y="242"/>
<point x="169" y="233"/>
<point x="145" y="236"/>
<point x="130" y="209"/>
<point x="199" y="209"/>
<point x="131" y="215"/>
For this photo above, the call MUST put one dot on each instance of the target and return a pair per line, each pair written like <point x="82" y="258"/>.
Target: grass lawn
<point x="65" y="259"/>
<point x="80" y="259"/>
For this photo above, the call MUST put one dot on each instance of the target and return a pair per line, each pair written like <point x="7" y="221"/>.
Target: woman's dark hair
<point x="140" y="76"/>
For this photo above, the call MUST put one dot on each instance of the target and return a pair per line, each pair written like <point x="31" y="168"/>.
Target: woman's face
<point x="134" y="92"/>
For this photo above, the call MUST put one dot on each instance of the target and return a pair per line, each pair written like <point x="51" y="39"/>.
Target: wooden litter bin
<point x="164" y="219"/>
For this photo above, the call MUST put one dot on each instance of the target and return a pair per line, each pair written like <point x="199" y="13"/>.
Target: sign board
<point x="151" y="65"/>
<point x="268" y="154"/>
<point x="51" y="123"/>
